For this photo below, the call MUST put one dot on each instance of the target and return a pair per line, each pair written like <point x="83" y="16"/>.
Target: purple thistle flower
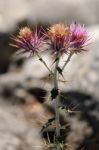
<point x="28" y="40"/>
<point x="78" y="37"/>
<point x="58" y="38"/>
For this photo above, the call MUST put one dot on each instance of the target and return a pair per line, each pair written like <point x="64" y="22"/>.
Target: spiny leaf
<point x="63" y="81"/>
<point x="41" y="59"/>
<point x="54" y="61"/>
<point x="60" y="71"/>
<point x="65" y="108"/>
<point x="54" y="93"/>
<point x="47" y="124"/>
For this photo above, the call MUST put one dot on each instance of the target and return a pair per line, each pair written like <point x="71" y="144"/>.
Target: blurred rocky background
<point x="24" y="81"/>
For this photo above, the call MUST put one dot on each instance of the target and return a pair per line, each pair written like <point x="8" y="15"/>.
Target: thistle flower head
<point x="25" y="32"/>
<point x="58" y="30"/>
<point x="58" y="35"/>
<point x="28" y="40"/>
<point x="78" y="37"/>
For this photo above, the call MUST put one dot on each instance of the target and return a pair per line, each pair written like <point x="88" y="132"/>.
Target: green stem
<point x="56" y="99"/>
<point x="67" y="61"/>
<point x="40" y="58"/>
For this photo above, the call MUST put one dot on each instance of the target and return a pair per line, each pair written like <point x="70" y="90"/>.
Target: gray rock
<point x="15" y="131"/>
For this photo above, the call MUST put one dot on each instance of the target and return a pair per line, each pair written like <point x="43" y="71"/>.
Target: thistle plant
<point x="62" y="40"/>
